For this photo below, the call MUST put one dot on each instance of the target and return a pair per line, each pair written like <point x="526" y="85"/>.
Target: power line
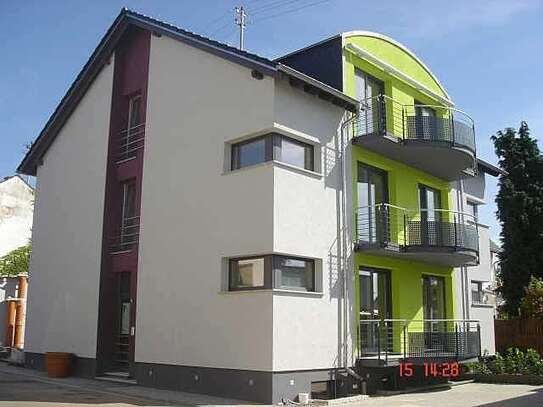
<point x="289" y="11"/>
<point x="273" y="5"/>
<point x="222" y="27"/>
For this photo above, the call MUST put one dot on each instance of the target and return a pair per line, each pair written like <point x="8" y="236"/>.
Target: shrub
<point x="533" y="363"/>
<point x="513" y="361"/>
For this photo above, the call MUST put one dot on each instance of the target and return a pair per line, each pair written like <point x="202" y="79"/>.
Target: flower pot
<point x="59" y="364"/>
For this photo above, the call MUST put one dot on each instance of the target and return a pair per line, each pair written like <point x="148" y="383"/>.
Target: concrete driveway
<point x="467" y="395"/>
<point x="22" y="387"/>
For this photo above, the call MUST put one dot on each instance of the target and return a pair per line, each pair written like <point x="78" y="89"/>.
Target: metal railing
<point x="381" y="115"/>
<point x="130" y="141"/>
<point x="452" y="339"/>
<point x="383" y="225"/>
<point x="128" y="236"/>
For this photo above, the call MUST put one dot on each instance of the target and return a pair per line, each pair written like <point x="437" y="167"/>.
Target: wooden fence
<point x="519" y="333"/>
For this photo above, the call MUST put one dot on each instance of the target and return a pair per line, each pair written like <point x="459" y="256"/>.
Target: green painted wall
<point x="403" y="184"/>
<point x="393" y="55"/>
<point x="403" y="181"/>
<point x="403" y="94"/>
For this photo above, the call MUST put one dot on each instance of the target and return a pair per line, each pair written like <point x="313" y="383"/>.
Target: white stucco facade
<point x="467" y="307"/>
<point x="67" y="233"/>
<point x="16" y="212"/>
<point x="212" y="214"/>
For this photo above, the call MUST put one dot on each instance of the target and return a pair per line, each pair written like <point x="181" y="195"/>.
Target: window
<point x="129" y="200"/>
<point x="293" y="152"/>
<point x="472" y="209"/>
<point x="272" y="147"/>
<point x="134" y="111"/>
<point x="129" y="220"/>
<point x="250" y="153"/>
<point x="247" y="273"/>
<point x="271" y="271"/>
<point x="477" y="294"/>
<point x="131" y="138"/>
<point x="292" y="273"/>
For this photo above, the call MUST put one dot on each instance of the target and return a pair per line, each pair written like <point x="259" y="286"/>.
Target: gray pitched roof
<point x="107" y="45"/>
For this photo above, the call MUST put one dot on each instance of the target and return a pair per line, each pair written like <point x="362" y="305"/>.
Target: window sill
<point x="279" y="164"/>
<point x="481" y="305"/>
<point x="300" y="170"/>
<point x="277" y="291"/>
<point x="284" y="291"/>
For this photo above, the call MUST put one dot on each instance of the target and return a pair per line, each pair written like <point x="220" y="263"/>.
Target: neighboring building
<point x="209" y="220"/>
<point x="475" y="284"/>
<point x="16" y="208"/>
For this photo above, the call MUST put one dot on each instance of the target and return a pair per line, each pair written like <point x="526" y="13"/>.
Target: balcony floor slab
<point x="433" y="157"/>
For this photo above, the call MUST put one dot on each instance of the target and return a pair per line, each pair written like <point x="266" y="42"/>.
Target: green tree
<point x="531" y="306"/>
<point x="15" y="262"/>
<point x="520" y="212"/>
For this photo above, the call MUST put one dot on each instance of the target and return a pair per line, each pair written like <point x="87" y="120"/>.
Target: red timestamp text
<point x="445" y="369"/>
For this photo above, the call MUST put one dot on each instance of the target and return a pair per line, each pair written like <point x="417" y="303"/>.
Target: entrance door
<point x="372" y="218"/>
<point x="433" y="300"/>
<point x="430" y="216"/>
<point x="373" y="114"/>
<point x="375" y="306"/>
<point x="124" y="340"/>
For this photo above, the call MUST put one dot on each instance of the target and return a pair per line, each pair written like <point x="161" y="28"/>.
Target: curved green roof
<point x="398" y="56"/>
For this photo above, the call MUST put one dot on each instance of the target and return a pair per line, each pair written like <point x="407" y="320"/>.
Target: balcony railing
<point x="450" y="339"/>
<point x="382" y="115"/>
<point x="388" y="226"/>
<point x="129" y="142"/>
<point x="128" y="236"/>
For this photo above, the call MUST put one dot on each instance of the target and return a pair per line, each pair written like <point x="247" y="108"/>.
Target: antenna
<point x="240" y="20"/>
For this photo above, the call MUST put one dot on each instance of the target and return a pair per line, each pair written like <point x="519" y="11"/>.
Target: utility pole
<point x="240" y="20"/>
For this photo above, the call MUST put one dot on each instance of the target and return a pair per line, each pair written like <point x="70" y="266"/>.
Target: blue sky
<point x="488" y="54"/>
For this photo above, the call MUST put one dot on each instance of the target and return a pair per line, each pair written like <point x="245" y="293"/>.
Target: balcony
<point x="128" y="236"/>
<point x="435" y="139"/>
<point x="129" y="142"/>
<point x="388" y="341"/>
<point x="436" y="236"/>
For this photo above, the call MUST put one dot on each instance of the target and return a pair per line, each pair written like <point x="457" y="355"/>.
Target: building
<point x="16" y="208"/>
<point x="475" y="285"/>
<point x="251" y="228"/>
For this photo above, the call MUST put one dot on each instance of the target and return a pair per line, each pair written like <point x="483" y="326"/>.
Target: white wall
<point x="67" y="233"/>
<point x="16" y="209"/>
<point x="484" y="313"/>
<point x="193" y="215"/>
<point x="306" y="331"/>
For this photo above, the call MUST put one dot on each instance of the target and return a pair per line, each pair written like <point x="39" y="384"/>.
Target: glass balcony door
<point x="425" y="122"/>
<point x="430" y="216"/>
<point x="375" y="305"/>
<point x="372" y="115"/>
<point x="372" y="218"/>
<point x="433" y="300"/>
